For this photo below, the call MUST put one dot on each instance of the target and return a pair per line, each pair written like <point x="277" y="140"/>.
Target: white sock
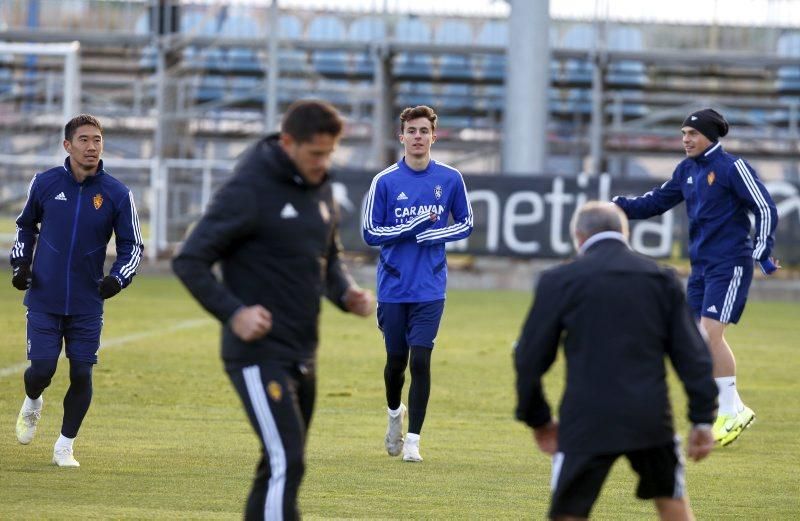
<point x="394" y="413"/>
<point x="33" y="405"/>
<point x="412" y="438"/>
<point x="63" y="442"/>
<point x="728" y="397"/>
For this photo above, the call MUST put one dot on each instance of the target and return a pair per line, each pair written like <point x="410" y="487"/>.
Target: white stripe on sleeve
<point x="763" y="208"/>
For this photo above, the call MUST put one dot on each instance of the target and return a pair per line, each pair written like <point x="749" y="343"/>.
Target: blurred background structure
<point x="579" y="92"/>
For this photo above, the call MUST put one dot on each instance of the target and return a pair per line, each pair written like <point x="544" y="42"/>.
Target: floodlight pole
<point x="527" y="85"/>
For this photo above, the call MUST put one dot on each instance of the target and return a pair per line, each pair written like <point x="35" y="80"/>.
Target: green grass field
<point x="166" y="438"/>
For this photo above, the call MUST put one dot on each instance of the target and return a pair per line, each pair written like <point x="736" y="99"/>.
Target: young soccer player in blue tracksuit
<point x="67" y="222"/>
<point x="407" y="214"/>
<point x="720" y="191"/>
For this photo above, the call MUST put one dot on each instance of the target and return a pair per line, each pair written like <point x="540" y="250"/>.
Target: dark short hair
<point x="79" y="121"/>
<point x="420" y="111"/>
<point x="306" y="118"/>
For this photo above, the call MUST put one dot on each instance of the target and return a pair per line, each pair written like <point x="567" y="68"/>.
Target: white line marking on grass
<point x="186" y="324"/>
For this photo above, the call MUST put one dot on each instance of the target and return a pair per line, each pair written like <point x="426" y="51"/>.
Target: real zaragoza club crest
<point x="275" y="391"/>
<point x="98" y="201"/>
<point x="437" y="192"/>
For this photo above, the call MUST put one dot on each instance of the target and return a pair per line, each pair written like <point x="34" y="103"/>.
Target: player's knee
<point x="41" y="372"/>
<point x="295" y="465"/>
<point x="80" y="374"/>
<point x="396" y="364"/>
<point x="420" y="361"/>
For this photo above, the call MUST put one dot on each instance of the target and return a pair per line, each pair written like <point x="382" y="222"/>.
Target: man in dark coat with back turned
<point x="622" y="315"/>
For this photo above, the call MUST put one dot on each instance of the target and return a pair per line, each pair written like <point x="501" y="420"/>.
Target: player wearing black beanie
<point x="708" y="122"/>
<point x="721" y="190"/>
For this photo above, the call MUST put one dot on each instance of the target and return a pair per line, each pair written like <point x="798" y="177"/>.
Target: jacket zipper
<point x="72" y="247"/>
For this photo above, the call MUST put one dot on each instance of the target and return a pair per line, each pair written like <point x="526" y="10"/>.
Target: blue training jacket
<point x="70" y="224"/>
<point x="720" y="191"/>
<point x="413" y="266"/>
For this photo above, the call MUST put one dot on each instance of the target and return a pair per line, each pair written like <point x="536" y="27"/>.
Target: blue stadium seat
<point x="626" y="73"/>
<point x="454" y="97"/>
<point x="338" y="92"/>
<point x="241" y="24"/>
<point x="148" y="58"/>
<point x="326" y="62"/>
<point x="209" y="88"/>
<point x="488" y="97"/>
<point x="291" y="60"/>
<point x="788" y="81"/>
<point x="410" y="94"/>
<point x="366" y="30"/>
<point x="413" y="30"/>
<point x="578" y="71"/>
<point x="248" y="89"/>
<point x="632" y="103"/>
<point x="6" y="76"/>
<point x="492" y="66"/>
<point x="454" y="66"/>
<point x="198" y="23"/>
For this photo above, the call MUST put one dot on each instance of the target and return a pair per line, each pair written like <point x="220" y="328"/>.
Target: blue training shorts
<point x="407" y="324"/>
<point x="47" y="332"/>
<point x="720" y="292"/>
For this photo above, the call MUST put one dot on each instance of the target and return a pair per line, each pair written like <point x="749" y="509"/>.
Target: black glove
<point x="109" y="286"/>
<point x="21" y="279"/>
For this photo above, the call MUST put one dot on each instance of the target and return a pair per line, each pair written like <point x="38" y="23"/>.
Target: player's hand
<point x="434" y="216"/>
<point x="546" y="437"/>
<point x="21" y="277"/>
<point x="109" y="286"/>
<point x="701" y="441"/>
<point x="769" y="265"/>
<point x="250" y="323"/>
<point x="359" y="301"/>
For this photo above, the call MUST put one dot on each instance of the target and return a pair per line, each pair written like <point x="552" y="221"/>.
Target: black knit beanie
<point x="708" y="122"/>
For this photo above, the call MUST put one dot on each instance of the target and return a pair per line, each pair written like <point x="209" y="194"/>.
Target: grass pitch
<point x="166" y="437"/>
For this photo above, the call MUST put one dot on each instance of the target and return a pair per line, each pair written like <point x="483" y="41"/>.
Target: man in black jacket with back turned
<point x="622" y="315"/>
<point x="273" y="227"/>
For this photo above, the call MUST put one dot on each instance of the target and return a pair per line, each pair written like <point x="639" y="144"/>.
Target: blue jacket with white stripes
<point x="69" y="224"/>
<point x="720" y="191"/>
<point x="413" y="265"/>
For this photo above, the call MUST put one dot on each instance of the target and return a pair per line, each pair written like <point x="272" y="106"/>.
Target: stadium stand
<point x="454" y="62"/>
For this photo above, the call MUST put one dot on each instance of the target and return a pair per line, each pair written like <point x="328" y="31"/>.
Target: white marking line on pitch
<point x="186" y="324"/>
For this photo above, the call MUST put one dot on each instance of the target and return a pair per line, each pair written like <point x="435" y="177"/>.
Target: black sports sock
<point x="394" y="376"/>
<point x="78" y="397"/>
<point x="420" y="389"/>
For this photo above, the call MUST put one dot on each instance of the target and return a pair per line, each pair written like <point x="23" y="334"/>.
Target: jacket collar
<point x="404" y="166"/>
<point x="602" y="237"/>
<point x="710" y="154"/>
<point x="89" y="179"/>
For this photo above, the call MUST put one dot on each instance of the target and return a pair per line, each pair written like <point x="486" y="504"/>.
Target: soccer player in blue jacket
<point x="67" y="221"/>
<point x="407" y="213"/>
<point x="721" y="191"/>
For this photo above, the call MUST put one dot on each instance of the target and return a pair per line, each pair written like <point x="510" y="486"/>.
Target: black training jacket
<point x="276" y="238"/>
<point x="619" y="316"/>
